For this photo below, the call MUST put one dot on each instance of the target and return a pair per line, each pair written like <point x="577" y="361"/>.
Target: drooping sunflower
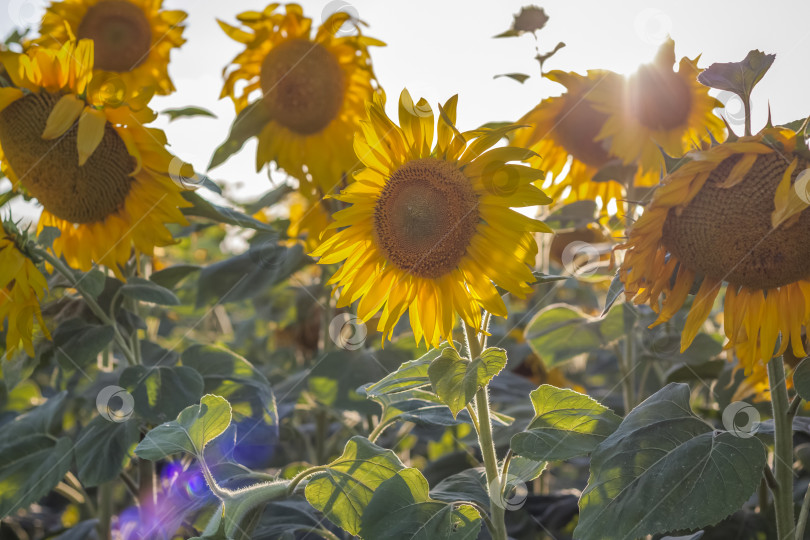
<point x="732" y="214"/>
<point x="313" y="91"/>
<point x="569" y="125"/>
<point x="658" y="109"/>
<point x="22" y="288"/>
<point x="133" y="39"/>
<point x="103" y="179"/>
<point x="430" y="229"/>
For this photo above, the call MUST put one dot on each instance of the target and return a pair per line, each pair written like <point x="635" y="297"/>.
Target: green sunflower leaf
<point x="345" y="489"/>
<point x="148" y="291"/>
<point x="801" y="379"/>
<point x="738" y="77"/>
<point x="664" y="469"/>
<point x="402" y="509"/>
<point x="456" y="380"/>
<point x="566" y="424"/>
<point x="248" y="123"/>
<point x="195" y="427"/>
<point x="162" y="392"/>
<point x="185" y="112"/>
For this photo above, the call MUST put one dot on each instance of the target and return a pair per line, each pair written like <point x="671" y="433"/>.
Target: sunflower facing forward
<point x="314" y="91"/>
<point x="133" y="40"/>
<point x="101" y="177"/>
<point x="733" y="214"/>
<point x="430" y="229"/>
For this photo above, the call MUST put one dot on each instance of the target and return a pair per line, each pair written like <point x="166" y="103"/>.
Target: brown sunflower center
<point x="577" y="127"/>
<point x="726" y="233"/>
<point x="303" y="85"/>
<point x="50" y="170"/>
<point x="660" y="100"/>
<point x="425" y="217"/>
<point x="121" y="34"/>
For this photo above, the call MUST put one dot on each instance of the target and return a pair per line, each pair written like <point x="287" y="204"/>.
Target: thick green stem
<point x="487" y="444"/>
<point x="783" y="451"/>
<point x="105" y="509"/>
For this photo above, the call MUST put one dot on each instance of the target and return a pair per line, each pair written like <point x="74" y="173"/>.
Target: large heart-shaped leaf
<point x="401" y="509"/>
<point x="566" y="424"/>
<point x="664" y="469"/>
<point x="102" y="449"/>
<point x="344" y="490"/>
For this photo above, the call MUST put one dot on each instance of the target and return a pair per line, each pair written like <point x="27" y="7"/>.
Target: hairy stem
<point x="487" y="445"/>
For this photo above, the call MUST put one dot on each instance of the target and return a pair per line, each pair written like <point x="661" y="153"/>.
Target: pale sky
<point x="437" y="48"/>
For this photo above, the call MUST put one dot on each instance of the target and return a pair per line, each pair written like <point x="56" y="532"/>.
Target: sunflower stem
<point x="63" y="269"/>
<point x="782" y="451"/>
<point x="487" y="444"/>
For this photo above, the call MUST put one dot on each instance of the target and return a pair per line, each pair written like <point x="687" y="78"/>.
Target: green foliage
<point x="33" y="458"/>
<point x="402" y="509"/>
<point x="665" y="469"/>
<point x="566" y="424"/>
<point x="346" y="487"/>
<point x="456" y="380"/>
<point x="194" y="428"/>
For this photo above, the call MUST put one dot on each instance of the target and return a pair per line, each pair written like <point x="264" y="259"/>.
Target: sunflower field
<point x="430" y="270"/>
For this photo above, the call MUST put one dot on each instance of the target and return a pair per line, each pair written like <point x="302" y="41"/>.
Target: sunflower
<point x="569" y="125"/>
<point x="313" y="91"/>
<point x="22" y="288"/>
<point x="658" y="109"/>
<point x="732" y="214"/>
<point x="102" y="178"/>
<point x="309" y="220"/>
<point x="431" y="231"/>
<point x="133" y="40"/>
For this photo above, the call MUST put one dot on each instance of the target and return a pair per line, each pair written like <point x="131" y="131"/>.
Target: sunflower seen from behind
<point x="733" y="214"/>
<point x="312" y="87"/>
<point x="429" y="228"/>
<point x="567" y="127"/>
<point x="103" y="178"/>
<point x="658" y="109"/>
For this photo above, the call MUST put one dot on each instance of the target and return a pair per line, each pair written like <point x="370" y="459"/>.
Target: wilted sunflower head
<point x="736" y="213"/>
<point x="313" y="89"/>
<point x="103" y="179"/>
<point x="133" y="41"/>
<point x="430" y="229"/>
